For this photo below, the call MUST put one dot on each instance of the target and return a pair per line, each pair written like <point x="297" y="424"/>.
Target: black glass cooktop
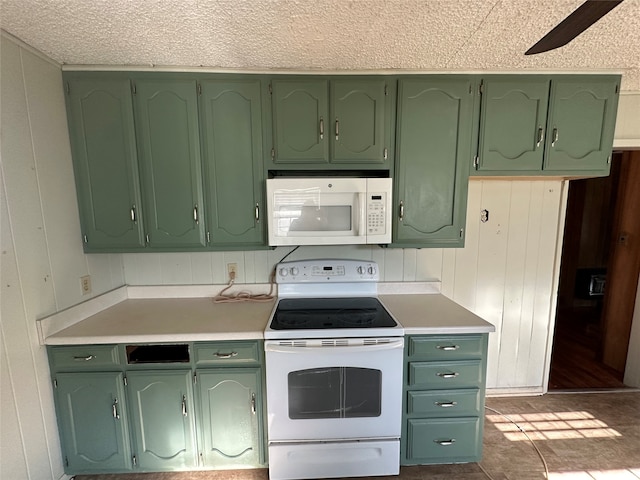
<point x="325" y="313"/>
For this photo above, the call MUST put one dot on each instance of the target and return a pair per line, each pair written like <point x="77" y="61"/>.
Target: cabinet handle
<point x="184" y="406"/>
<point x="253" y="403"/>
<point x="446" y="404"/>
<point x="447" y="375"/>
<point x="555" y="137"/>
<point x="133" y="214"/>
<point x="321" y="128"/>
<point x="448" y="348"/>
<point x="84" y="358"/>
<point x="226" y="355"/>
<point x="540" y="136"/>
<point x="114" y="409"/>
<point x="257" y="212"/>
<point x="445" y="443"/>
<point x="337" y="129"/>
<point x="195" y="213"/>
<point x="401" y="213"/>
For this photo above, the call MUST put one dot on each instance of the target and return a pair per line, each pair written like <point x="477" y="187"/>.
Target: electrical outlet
<point x="232" y="269"/>
<point x="85" y="284"/>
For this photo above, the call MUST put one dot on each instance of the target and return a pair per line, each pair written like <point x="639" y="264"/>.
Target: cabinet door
<point x="168" y="141"/>
<point x="105" y="164"/>
<point x="93" y="422"/>
<point x="300" y="121"/>
<point x="231" y="113"/>
<point x="358" y="121"/>
<point x="231" y="417"/>
<point x="433" y="147"/>
<point x="162" y="419"/>
<point x="513" y="122"/>
<point x="581" y="123"/>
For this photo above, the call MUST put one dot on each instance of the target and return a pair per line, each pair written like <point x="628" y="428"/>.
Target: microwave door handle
<point x="362" y="215"/>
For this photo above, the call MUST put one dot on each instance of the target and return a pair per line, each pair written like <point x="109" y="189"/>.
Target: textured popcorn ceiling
<point x="325" y="35"/>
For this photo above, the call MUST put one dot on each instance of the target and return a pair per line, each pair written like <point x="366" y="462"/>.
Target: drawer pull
<point x="184" y="405"/>
<point x="448" y="348"/>
<point x="445" y="443"/>
<point x="226" y="355"/>
<point x="447" y="375"/>
<point x="84" y="358"/>
<point x="114" y="409"/>
<point x="253" y="403"/>
<point x="446" y="404"/>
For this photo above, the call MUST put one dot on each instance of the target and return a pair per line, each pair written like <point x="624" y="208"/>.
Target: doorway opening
<point x="599" y="266"/>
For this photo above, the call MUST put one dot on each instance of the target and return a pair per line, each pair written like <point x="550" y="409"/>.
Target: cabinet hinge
<point x="208" y="237"/>
<point x="476" y="162"/>
<point x="55" y="383"/>
<point x="481" y="87"/>
<point x="66" y="461"/>
<point x="195" y="378"/>
<point x="199" y="87"/>
<point x="385" y="153"/>
<point x="273" y="153"/>
<point x="270" y="89"/>
<point x="146" y="239"/>
<point x="124" y="380"/>
<point x="69" y="88"/>
<point x="85" y="239"/>
<point x="609" y="160"/>
<point x="461" y="232"/>
<point x="133" y="88"/>
<point x="617" y="88"/>
<point x="135" y="461"/>
<point x="386" y="91"/>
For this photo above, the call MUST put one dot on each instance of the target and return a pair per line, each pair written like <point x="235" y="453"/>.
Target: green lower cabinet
<point x="162" y="420"/>
<point x="92" y="418"/>
<point x="230" y="411"/>
<point x="444" y="440"/>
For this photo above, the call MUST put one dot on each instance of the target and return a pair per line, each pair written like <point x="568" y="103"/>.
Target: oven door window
<point x="334" y="392"/>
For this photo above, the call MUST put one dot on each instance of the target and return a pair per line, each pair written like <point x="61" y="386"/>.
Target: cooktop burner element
<point x="324" y="313"/>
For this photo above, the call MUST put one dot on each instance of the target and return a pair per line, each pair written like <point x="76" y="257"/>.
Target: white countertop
<point x="151" y="320"/>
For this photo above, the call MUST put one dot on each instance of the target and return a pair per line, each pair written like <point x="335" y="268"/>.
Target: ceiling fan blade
<point x="577" y="22"/>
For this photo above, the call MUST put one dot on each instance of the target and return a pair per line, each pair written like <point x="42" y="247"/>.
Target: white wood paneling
<point x="627" y="134"/>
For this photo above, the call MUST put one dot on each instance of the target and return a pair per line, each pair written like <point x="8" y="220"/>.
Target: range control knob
<point x="294" y="271"/>
<point x="371" y="270"/>
<point x="284" y="272"/>
<point x="361" y="270"/>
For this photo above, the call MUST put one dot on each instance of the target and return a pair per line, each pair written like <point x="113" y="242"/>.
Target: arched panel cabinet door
<point x="103" y="145"/>
<point x="171" y="171"/>
<point x="582" y="116"/>
<point x="434" y="137"/>
<point x="513" y="123"/>
<point x="231" y="128"/>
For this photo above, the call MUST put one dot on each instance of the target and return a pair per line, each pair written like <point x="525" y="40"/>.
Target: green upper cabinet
<point x="92" y="417"/>
<point x="581" y="123"/>
<point x="231" y="127"/>
<point x="231" y="417"/>
<point x="434" y="138"/>
<point x="513" y="121"/>
<point x="547" y="125"/>
<point x="162" y="419"/>
<point x="331" y="123"/>
<point x="169" y="146"/>
<point x="102" y="135"/>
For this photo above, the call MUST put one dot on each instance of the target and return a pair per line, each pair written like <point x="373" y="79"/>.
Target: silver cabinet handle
<point x="114" y="409"/>
<point x="133" y="213"/>
<point x="446" y="404"/>
<point x="448" y="348"/>
<point x="401" y="213"/>
<point x="447" y="375"/>
<point x="554" y="137"/>
<point x="540" y="136"/>
<point x="184" y="406"/>
<point x="445" y="443"/>
<point x="195" y="213"/>
<point x="85" y="358"/>
<point x="226" y="355"/>
<point x="253" y="403"/>
<point x="337" y="129"/>
<point x="321" y="128"/>
<point x="257" y="212"/>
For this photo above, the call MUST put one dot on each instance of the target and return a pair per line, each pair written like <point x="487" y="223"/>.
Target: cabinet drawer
<point x="83" y="357"/>
<point x="443" y="375"/>
<point x="443" y="440"/>
<point x="444" y="403"/>
<point x="449" y="347"/>
<point x="226" y="353"/>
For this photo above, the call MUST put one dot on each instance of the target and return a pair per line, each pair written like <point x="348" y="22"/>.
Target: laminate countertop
<point x="160" y="320"/>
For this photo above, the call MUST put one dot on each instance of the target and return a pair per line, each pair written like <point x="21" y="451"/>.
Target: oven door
<point x="334" y="389"/>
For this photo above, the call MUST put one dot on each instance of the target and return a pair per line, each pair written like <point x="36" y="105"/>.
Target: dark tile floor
<point x="581" y="436"/>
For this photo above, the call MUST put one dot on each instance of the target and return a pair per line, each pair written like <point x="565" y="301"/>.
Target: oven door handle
<point x="276" y="348"/>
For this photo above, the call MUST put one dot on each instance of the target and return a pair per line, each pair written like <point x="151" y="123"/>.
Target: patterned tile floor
<point x="582" y="436"/>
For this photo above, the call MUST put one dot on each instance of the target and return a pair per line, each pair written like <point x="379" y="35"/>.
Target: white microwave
<point x="328" y="211"/>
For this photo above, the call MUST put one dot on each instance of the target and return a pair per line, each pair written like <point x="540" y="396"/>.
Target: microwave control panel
<point x="376" y="214"/>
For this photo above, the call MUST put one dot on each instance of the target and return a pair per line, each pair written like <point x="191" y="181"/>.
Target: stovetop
<point x="329" y="299"/>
